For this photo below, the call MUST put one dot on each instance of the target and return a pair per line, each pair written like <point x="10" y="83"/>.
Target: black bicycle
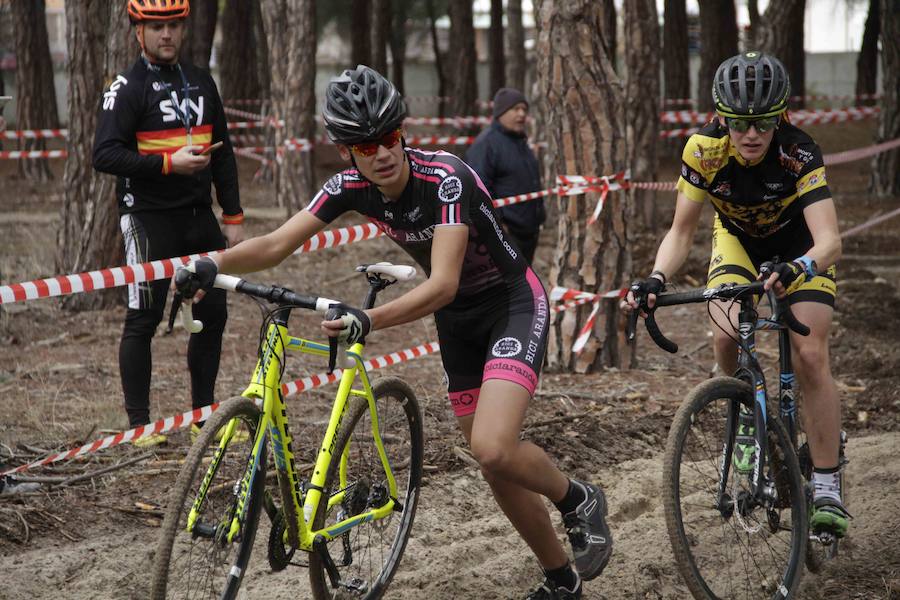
<point x="739" y="526"/>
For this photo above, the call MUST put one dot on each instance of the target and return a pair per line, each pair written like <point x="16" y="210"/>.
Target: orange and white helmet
<point x="158" y="10"/>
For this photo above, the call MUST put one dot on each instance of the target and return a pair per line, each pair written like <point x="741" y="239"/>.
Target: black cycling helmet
<point x="361" y="105"/>
<point x="751" y="84"/>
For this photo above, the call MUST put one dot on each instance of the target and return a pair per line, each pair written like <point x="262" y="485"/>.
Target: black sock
<point x="574" y="496"/>
<point x="829" y="471"/>
<point x="564" y="577"/>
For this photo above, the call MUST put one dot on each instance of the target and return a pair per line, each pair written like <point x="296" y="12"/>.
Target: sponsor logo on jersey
<point x="128" y="200"/>
<point x="506" y="347"/>
<point x="723" y="188"/>
<point x="695" y="179"/>
<point x="157" y="86"/>
<point x="333" y="185"/>
<point x="414" y="214"/>
<point x="109" y="98"/>
<point x="450" y="189"/>
<point x="775" y="187"/>
<point x="789" y="162"/>
<point x="388" y="214"/>
<point x="167" y="108"/>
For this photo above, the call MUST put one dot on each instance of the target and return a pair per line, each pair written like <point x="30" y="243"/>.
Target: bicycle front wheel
<point x="202" y="563"/>
<point x="739" y="549"/>
<point x="367" y="556"/>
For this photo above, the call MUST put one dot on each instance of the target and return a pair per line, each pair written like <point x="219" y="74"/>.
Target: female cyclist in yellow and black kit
<point x="766" y="181"/>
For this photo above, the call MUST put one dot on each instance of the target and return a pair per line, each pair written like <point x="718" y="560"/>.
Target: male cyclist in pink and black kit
<point x="490" y="308"/>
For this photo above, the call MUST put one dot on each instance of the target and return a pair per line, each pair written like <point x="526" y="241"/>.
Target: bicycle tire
<point x="400" y="424"/>
<point x="175" y="572"/>
<point x="702" y="536"/>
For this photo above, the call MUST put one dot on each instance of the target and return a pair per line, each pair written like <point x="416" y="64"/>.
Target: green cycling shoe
<point x="829" y="516"/>
<point x="743" y="457"/>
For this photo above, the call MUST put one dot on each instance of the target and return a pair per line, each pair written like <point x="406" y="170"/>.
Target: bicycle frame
<point x="751" y="371"/>
<point x="265" y="388"/>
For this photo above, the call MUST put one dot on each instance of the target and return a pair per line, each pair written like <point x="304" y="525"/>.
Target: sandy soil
<point x="95" y="539"/>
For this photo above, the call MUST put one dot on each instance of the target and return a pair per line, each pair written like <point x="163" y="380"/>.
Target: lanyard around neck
<point x="183" y="116"/>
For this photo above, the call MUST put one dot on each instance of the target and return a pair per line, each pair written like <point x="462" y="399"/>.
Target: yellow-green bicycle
<point x="355" y="513"/>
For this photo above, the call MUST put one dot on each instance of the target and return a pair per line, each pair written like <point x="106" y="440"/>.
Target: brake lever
<point x="331" y="314"/>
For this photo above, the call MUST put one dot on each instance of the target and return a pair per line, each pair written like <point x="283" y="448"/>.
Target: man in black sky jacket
<point x="161" y="129"/>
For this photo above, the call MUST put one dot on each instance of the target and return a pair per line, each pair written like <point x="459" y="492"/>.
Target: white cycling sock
<point x="827" y="484"/>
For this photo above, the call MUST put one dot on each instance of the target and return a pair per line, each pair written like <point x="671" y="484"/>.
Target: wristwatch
<point x="809" y="265"/>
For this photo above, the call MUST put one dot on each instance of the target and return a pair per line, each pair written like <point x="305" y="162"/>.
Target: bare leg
<point x="518" y="472"/>
<point x="726" y="351"/>
<point x="821" y="404"/>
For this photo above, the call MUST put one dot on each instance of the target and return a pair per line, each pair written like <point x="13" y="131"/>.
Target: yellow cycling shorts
<point x="730" y="263"/>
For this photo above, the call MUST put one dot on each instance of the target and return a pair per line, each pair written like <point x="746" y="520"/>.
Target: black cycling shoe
<point x="588" y="532"/>
<point x="549" y="591"/>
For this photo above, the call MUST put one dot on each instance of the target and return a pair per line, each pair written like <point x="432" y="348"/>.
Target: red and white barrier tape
<point x="871" y="223"/>
<point x="797" y="117"/>
<point x="31" y="134"/>
<point x="567" y="294"/>
<point x="813" y="98"/>
<point x="63" y="285"/>
<point x="606" y="184"/>
<point x="313" y="381"/>
<point x="20" y="154"/>
<point x="201" y="414"/>
<point x="243" y="114"/>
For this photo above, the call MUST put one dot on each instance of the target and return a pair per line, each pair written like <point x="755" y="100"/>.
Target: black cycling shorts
<point x="500" y="334"/>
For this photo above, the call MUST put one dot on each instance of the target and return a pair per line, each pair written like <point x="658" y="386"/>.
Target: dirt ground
<point x="59" y="387"/>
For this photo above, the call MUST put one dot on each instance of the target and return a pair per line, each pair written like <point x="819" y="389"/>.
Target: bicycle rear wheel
<point x="746" y="551"/>
<point x="367" y="556"/>
<point x="202" y="563"/>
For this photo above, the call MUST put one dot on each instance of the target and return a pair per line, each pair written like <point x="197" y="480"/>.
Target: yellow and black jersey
<point x="760" y="203"/>
<point x="141" y="123"/>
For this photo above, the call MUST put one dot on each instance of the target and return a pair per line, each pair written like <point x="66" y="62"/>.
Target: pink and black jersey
<point x="442" y="190"/>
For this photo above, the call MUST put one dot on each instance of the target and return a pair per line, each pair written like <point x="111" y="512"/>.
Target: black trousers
<point x="152" y="236"/>
<point x="526" y="241"/>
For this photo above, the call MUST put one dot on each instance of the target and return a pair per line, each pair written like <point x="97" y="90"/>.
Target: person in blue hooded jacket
<point x="508" y="167"/>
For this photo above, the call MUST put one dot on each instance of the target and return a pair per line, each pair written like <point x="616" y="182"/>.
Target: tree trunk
<point x="439" y="66"/>
<point x="36" y="95"/>
<point x="781" y="35"/>
<point x="291" y="33"/>
<point x="100" y="44"/>
<point x="496" y="55"/>
<point x="753" y="30"/>
<point x="718" y="41"/>
<point x="360" y="32"/>
<point x="238" y="67"/>
<point x="204" y="14"/>
<point x="397" y="40"/>
<point x="262" y="53"/>
<point x="867" y="60"/>
<point x="584" y="104"/>
<point x="675" y="57"/>
<point x="642" y="105"/>
<point x="381" y="32"/>
<point x="462" y="49"/>
<point x="608" y="30"/>
<point x="886" y="166"/>
<point x="515" y="45"/>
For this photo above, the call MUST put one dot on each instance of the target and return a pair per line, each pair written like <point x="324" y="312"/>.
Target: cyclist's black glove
<point x="198" y="275"/>
<point x="790" y="274"/>
<point x="645" y="287"/>
<point x="356" y="323"/>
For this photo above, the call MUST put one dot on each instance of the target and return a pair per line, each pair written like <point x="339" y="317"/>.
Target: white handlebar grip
<point x="187" y="319"/>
